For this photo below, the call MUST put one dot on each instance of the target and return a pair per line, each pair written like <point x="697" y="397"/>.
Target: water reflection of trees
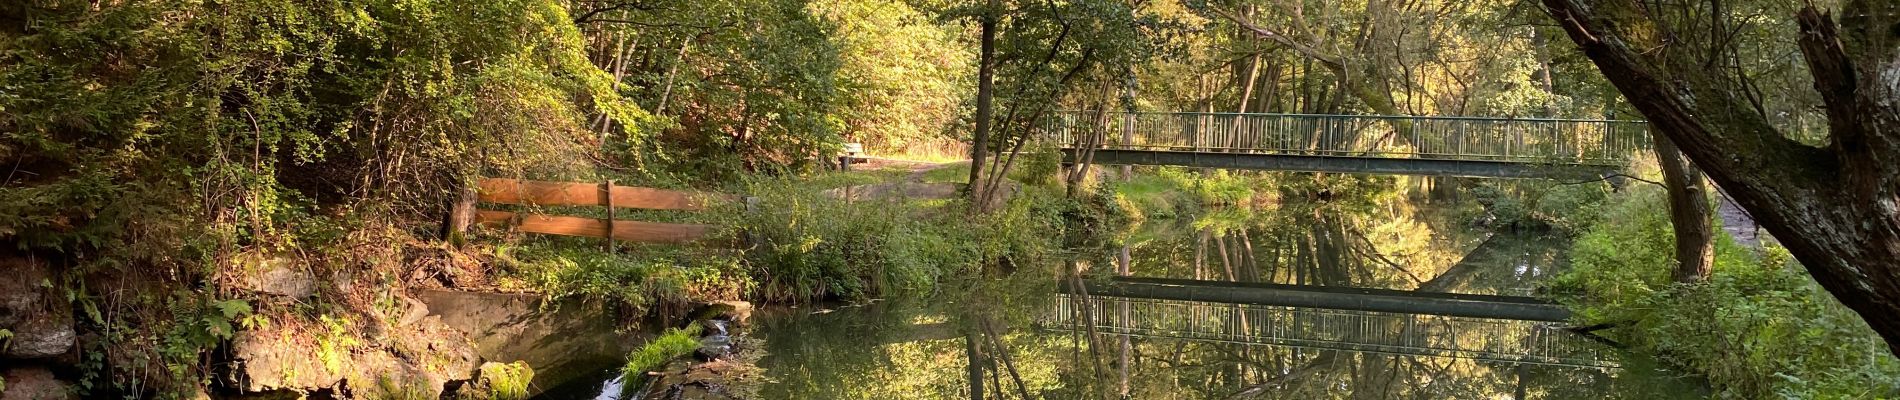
<point x="1345" y="231"/>
<point x="1340" y="231"/>
<point x="896" y="352"/>
<point x="1306" y="353"/>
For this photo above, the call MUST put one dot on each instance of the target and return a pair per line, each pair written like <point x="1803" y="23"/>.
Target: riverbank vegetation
<point x="674" y="343"/>
<point x="1759" y="327"/>
<point x="193" y="183"/>
<point x="191" y="175"/>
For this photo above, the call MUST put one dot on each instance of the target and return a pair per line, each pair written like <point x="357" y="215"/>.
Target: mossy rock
<point x="498" y="381"/>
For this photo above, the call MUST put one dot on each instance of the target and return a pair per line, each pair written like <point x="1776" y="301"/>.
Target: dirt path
<point x="1736" y="221"/>
<point x="917" y="168"/>
<point x="910" y="186"/>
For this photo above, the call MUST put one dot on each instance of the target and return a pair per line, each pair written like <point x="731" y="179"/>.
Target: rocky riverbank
<point x="723" y="368"/>
<point x="292" y="332"/>
<point x="37" y="338"/>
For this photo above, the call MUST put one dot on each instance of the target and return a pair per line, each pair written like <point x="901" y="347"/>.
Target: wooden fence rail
<point x="544" y="193"/>
<point x="526" y="192"/>
<point x="632" y="231"/>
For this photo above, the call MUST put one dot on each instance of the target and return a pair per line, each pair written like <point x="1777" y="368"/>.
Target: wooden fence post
<point x="607" y="199"/>
<point x="461" y="214"/>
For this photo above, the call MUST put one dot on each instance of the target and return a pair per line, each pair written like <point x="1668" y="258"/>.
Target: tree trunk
<point x="461" y="214"/>
<point x="985" y="99"/>
<point x="1836" y="208"/>
<point x="1688" y="213"/>
<point x="1124" y="265"/>
<point x="975" y="368"/>
<point x="1543" y="73"/>
<point x="1128" y="130"/>
<point x="1200" y="256"/>
<point x="671" y="71"/>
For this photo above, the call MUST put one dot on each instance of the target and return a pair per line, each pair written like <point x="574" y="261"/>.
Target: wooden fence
<point x="543" y="193"/>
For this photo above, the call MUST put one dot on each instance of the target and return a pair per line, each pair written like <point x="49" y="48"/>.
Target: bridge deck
<point x="1344" y="164"/>
<point x="1457" y="146"/>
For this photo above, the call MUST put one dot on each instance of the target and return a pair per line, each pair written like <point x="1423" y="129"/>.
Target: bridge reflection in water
<point x="1496" y="340"/>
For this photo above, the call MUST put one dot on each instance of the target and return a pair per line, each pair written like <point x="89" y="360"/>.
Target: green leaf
<point x="233" y="308"/>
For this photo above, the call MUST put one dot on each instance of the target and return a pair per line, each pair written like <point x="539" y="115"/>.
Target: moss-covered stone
<point x="498" y="381"/>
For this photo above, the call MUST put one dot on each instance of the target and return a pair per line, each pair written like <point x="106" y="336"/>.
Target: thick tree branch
<point x="1833" y="72"/>
<point x="588" y="16"/>
<point x="1833" y="208"/>
<point x="1681" y="102"/>
<point x="1331" y="61"/>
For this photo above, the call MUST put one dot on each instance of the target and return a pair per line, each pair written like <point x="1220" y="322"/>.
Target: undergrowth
<point x="1760" y="327"/>
<point x="1561" y="208"/>
<point x="807" y="245"/>
<point x="637" y="277"/>
<point x="506" y="381"/>
<point x="793" y="241"/>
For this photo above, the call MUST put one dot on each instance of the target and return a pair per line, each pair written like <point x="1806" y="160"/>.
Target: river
<point x="1077" y="346"/>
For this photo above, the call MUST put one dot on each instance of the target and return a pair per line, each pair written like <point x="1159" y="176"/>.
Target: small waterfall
<point x="613" y="388"/>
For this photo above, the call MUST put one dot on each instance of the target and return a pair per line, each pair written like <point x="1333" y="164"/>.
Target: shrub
<point x="1760" y="327"/>
<point x="636" y="277"/>
<point x="807" y="245"/>
<point x="1564" y="208"/>
<point x="1223" y="187"/>
<point x="1161" y="193"/>
<point x="499" y="381"/>
<point x="1038" y="167"/>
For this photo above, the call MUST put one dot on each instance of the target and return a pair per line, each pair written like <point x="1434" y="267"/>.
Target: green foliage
<point x="199" y="323"/>
<point x="502" y="381"/>
<point x="1562" y="208"/>
<point x="901" y="78"/>
<point x="1161" y="194"/>
<point x="673" y="343"/>
<point x="335" y="342"/>
<point x="1036" y="167"/>
<point x="959" y="173"/>
<point x="213" y="321"/>
<point x="741" y="84"/>
<point x="810" y="245"/>
<point x="1169" y="192"/>
<point x="636" y="278"/>
<point x="161" y="139"/>
<point x="247" y="112"/>
<point x="1760" y="327"/>
<point x="1049" y="55"/>
<point x="1224" y="188"/>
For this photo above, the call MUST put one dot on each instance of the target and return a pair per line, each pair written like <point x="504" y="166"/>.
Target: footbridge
<point x="1376" y="144"/>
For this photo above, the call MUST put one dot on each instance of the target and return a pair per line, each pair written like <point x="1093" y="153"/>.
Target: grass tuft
<point x="672" y="344"/>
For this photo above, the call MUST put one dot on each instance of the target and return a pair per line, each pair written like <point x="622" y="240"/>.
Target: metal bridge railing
<point x="1386" y="333"/>
<point x="1569" y="141"/>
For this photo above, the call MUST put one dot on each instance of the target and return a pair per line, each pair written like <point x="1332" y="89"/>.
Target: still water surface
<point x="1066" y="346"/>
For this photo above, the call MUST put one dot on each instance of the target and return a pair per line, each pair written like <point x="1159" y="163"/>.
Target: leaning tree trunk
<point x="1836" y="208"/>
<point x="1688" y="213"/>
